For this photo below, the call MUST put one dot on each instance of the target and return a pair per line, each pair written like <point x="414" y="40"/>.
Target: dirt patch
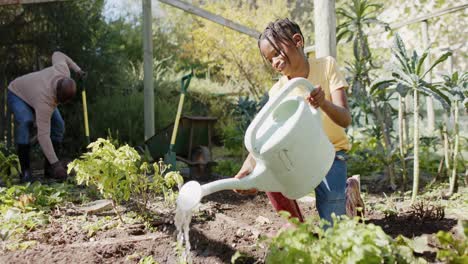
<point x="226" y="223"/>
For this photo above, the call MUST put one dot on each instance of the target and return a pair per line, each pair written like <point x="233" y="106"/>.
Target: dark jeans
<point x="24" y="119"/>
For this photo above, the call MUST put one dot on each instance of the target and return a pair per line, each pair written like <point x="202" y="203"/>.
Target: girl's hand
<point x="316" y="98"/>
<point x="241" y="174"/>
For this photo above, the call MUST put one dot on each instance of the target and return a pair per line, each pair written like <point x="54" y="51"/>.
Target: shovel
<point x="85" y="109"/>
<point x="170" y="157"/>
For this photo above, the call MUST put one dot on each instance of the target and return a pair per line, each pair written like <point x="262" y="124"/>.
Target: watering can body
<point x="291" y="150"/>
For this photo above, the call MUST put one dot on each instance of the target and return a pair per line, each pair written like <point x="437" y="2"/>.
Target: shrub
<point x="120" y="174"/>
<point x="453" y="250"/>
<point x="348" y="241"/>
<point x="227" y="167"/>
<point x="9" y="168"/>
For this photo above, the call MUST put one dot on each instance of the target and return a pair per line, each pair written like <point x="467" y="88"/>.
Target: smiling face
<point x="286" y="58"/>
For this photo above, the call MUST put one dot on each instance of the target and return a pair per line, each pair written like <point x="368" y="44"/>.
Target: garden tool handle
<point x="184" y="85"/>
<point x="251" y="133"/>
<point x="85" y="107"/>
<point x="186" y="81"/>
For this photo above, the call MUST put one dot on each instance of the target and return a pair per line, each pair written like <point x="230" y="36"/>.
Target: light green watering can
<point x="292" y="152"/>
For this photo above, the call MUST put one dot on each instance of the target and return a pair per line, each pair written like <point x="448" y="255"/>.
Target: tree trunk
<point x="401" y="130"/>
<point x="416" y="146"/>
<point x="453" y="178"/>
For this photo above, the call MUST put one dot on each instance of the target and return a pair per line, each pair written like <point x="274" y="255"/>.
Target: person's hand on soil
<point x="244" y="171"/>
<point x="59" y="172"/>
<point x="316" y="98"/>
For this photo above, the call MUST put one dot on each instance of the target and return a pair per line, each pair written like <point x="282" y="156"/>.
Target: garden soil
<point x="225" y="224"/>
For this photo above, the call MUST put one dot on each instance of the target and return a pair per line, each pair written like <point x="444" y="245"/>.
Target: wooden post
<point x="148" y="69"/>
<point x="189" y="8"/>
<point x="22" y="2"/>
<point x="325" y="28"/>
<point x="427" y="64"/>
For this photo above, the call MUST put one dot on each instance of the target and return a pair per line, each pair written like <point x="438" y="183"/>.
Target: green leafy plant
<point x="455" y="87"/>
<point x="408" y="75"/>
<point x="120" y="174"/>
<point x="388" y="207"/>
<point x="347" y="241"/>
<point x="25" y="207"/>
<point x="9" y="168"/>
<point x="148" y="260"/>
<point x="454" y="251"/>
<point x="356" y="17"/>
<point x="364" y="157"/>
<point x="227" y="167"/>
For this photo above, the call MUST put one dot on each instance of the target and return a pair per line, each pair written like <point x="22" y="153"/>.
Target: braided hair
<point x="280" y="31"/>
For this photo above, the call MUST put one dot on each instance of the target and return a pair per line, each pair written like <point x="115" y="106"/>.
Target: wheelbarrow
<point x="193" y="146"/>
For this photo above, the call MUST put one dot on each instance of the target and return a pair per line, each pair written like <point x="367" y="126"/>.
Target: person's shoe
<point x="23" y="156"/>
<point x="47" y="169"/>
<point x="26" y="176"/>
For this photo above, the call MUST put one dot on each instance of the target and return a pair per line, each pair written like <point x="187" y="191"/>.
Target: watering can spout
<point x="192" y="192"/>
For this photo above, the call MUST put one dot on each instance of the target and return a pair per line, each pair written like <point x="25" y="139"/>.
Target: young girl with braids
<point x="282" y="45"/>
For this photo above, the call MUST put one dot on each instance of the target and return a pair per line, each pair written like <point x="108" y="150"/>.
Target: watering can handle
<point x="251" y="133"/>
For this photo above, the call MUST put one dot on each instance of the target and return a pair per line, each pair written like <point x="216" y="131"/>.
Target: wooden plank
<point x="24" y="2"/>
<point x="435" y="14"/>
<point x="212" y="17"/>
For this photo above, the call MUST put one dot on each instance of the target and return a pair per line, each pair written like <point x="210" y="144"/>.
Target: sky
<point x="115" y="9"/>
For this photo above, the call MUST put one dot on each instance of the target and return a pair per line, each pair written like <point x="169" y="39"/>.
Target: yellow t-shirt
<point x="325" y="73"/>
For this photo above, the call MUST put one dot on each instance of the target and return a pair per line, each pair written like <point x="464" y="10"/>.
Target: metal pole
<point x="148" y="69"/>
<point x="325" y="28"/>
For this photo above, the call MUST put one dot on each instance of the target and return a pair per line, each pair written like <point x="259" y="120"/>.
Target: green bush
<point x="364" y="158"/>
<point x="120" y="174"/>
<point x="348" y="241"/>
<point x="9" y="167"/>
<point x="227" y="167"/>
<point x="453" y="250"/>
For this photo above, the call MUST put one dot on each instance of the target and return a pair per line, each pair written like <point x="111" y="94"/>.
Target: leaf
<point x="402" y="89"/>
<point x="421" y="244"/>
<point x="436" y="94"/>
<point x="421" y="61"/>
<point x="439" y="60"/>
<point x="381" y="84"/>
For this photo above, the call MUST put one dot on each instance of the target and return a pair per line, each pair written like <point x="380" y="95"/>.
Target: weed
<point x="425" y="210"/>
<point x="148" y="260"/>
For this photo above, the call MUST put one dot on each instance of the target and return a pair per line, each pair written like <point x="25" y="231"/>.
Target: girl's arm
<point x="337" y="109"/>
